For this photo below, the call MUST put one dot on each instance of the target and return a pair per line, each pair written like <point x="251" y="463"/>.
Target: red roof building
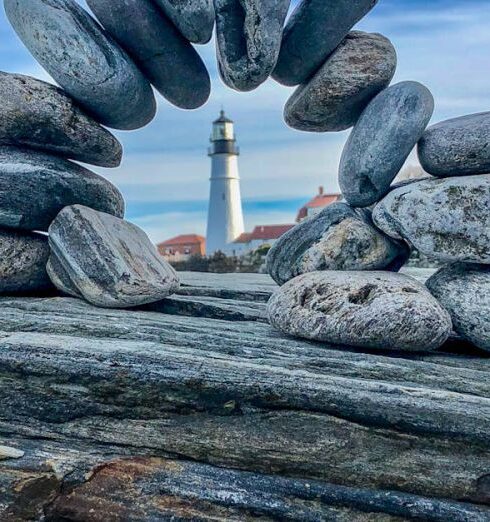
<point x="317" y="204"/>
<point x="182" y="247"/>
<point x="264" y="233"/>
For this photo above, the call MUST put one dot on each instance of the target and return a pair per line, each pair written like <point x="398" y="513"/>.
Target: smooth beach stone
<point x="248" y="39"/>
<point x="35" y="186"/>
<point x="457" y="147"/>
<point x="382" y="140"/>
<point x="166" y="58"/>
<point x="338" y="238"/>
<point x="375" y="310"/>
<point x="41" y="116"/>
<point x="334" y="98"/>
<point x="464" y="291"/>
<point x="83" y="60"/>
<point x="111" y="262"/>
<point x="446" y="219"/>
<point x="60" y="278"/>
<point x="312" y="33"/>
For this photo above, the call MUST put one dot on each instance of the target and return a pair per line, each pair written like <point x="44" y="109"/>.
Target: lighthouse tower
<point x="225" y="215"/>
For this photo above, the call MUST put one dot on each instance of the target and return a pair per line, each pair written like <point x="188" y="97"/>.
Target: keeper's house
<point x="181" y="248"/>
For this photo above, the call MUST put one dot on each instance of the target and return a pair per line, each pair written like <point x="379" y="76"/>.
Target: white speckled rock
<point x="446" y="219"/>
<point x="111" y="262"/>
<point x="464" y="291"/>
<point x="376" y="310"/>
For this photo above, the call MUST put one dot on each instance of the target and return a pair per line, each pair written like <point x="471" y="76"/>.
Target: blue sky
<point x="444" y="44"/>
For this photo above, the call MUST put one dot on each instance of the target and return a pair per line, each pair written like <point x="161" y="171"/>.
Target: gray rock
<point x="60" y="278"/>
<point x="38" y="115"/>
<point x="464" y="291"/>
<point x="34" y="187"/>
<point x="445" y="219"/>
<point x="166" y="58"/>
<point x="361" y="67"/>
<point x="77" y="53"/>
<point x="457" y="147"/>
<point x="338" y="238"/>
<point x="248" y="39"/>
<point x="377" y="310"/>
<point x="381" y="141"/>
<point x="109" y="261"/>
<point x="313" y="32"/>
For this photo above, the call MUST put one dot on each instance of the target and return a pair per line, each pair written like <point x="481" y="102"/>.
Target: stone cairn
<point x="337" y="271"/>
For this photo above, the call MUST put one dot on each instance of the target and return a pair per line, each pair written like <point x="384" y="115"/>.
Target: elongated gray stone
<point x="248" y="39"/>
<point x="166" y="58"/>
<point x="381" y="141"/>
<point x="445" y="219"/>
<point x="111" y="262"/>
<point x="313" y="32"/>
<point x="35" y="186"/>
<point x="77" y="53"/>
<point x="376" y="310"/>
<point x="338" y="238"/>
<point x="334" y="98"/>
<point x="457" y="147"/>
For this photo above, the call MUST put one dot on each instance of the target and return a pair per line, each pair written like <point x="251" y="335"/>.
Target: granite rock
<point x="376" y="310"/>
<point x="166" y="58"/>
<point x="60" y="278"/>
<point x="35" y="186"/>
<point x="312" y="33"/>
<point x="382" y="140"/>
<point x="248" y="38"/>
<point x="79" y="55"/>
<point x="111" y="262"/>
<point x="445" y="219"/>
<point x="334" y="98"/>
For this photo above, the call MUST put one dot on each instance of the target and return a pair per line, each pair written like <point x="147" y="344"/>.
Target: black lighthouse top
<point x="223" y="137"/>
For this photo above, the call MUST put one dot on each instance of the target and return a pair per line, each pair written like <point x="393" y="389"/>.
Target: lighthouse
<point x="225" y="215"/>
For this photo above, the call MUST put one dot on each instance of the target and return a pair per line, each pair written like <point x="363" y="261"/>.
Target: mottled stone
<point x="338" y="238"/>
<point x="313" y="32"/>
<point x="77" y="53"/>
<point x="334" y="98"/>
<point x="60" y="278"/>
<point x="248" y="40"/>
<point x="382" y="140"/>
<point x="464" y="291"/>
<point x="34" y="187"/>
<point x="377" y="310"/>
<point x="446" y="219"/>
<point x="111" y="262"/>
<point x="166" y="58"/>
<point x="457" y="147"/>
<point x="41" y="116"/>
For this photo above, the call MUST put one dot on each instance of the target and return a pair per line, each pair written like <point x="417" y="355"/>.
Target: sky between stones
<point x="165" y="173"/>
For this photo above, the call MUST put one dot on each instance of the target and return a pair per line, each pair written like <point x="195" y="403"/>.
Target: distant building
<point x="261" y="235"/>
<point x="317" y="204"/>
<point x="181" y="248"/>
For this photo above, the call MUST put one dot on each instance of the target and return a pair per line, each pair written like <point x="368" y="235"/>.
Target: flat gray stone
<point x="41" y="116"/>
<point x="382" y="140"/>
<point x="313" y="32"/>
<point x="334" y="98"/>
<point x="89" y="66"/>
<point x="111" y="262"/>
<point x="446" y="219"/>
<point x="248" y="40"/>
<point x="457" y="147"/>
<point x="35" y="186"/>
<point x="376" y="310"/>
<point x="338" y="238"/>
<point x="464" y="291"/>
<point x="166" y="58"/>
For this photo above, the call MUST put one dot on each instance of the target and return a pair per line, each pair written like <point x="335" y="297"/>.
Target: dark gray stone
<point x="248" y="39"/>
<point x="313" y="32"/>
<point x="338" y="238"/>
<point x="376" y="310"/>
<point x="60" y="278"/>
<point x="457" y="147"/>
<point x="109" y="261"/>
<point x="166" y="58"/>
<point x="38" y="115"/>
<point x="34" y="187"/>
<point x="382" y="140"/>
<point x="333" y="99"/>
<point x="77" y="53"/>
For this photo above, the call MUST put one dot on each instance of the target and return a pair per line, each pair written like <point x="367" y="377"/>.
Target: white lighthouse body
<point x="225" y="214"/>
